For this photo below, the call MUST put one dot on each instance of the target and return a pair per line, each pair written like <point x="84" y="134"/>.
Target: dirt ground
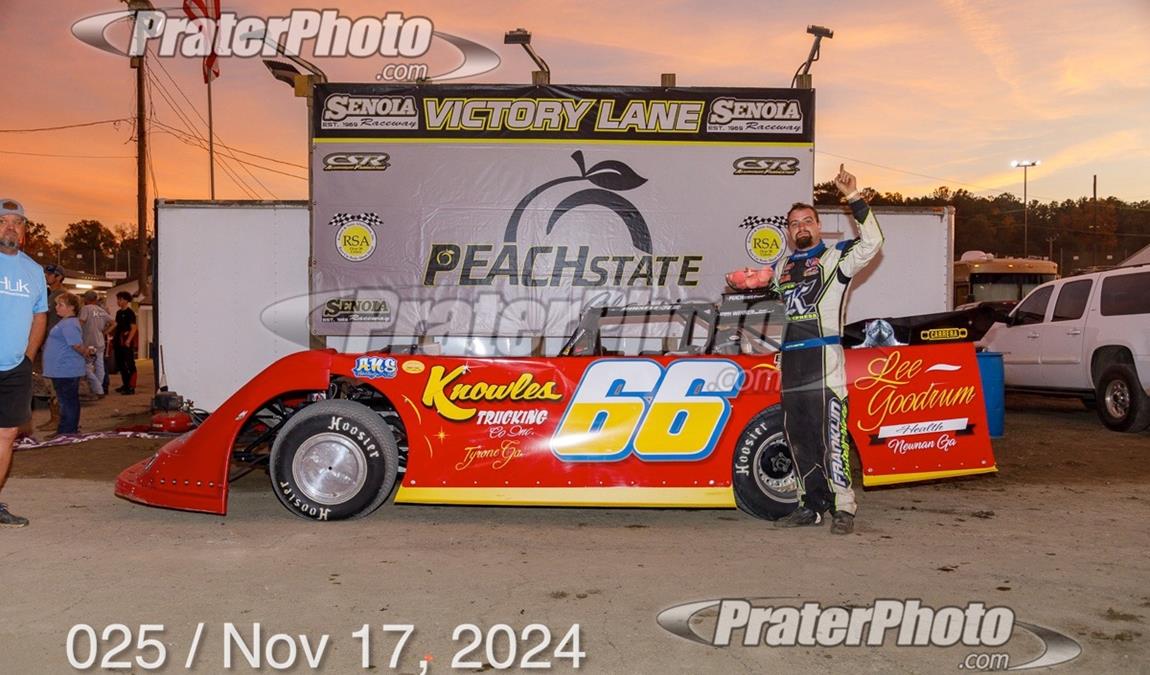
<point x="1060" y="535"/>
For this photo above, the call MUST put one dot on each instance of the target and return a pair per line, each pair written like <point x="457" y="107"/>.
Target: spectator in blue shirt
<point x="64" y="362"/>
<point x="24" y="308"/>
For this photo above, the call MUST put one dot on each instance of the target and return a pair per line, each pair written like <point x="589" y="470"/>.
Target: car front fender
<point x="191" y="472"/>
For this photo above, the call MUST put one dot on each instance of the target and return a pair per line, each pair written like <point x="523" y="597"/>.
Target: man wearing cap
<point x="95" y="321"/>
<point x="54" y="278"/>
<point x="24" y="306"/>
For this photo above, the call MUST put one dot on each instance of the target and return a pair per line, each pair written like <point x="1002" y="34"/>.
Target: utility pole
<point x="1094" y="257"/>
<point x="1050" y="239"/>
<point x="1025" y="164"/>
<point x="137" y="63"/>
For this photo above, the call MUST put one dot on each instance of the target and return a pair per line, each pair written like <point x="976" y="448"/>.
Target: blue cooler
<point x="993" y="391"/>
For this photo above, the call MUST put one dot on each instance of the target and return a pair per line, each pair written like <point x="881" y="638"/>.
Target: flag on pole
<point x="206" y="9"/>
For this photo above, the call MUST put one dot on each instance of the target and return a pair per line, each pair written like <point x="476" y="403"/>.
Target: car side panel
<point x="652" y="431"/>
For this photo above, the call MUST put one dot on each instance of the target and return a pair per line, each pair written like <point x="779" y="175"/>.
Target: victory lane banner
<point x="506" y="210"/>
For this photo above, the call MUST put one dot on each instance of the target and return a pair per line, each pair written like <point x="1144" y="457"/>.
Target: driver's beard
<point x="804" y="241"/>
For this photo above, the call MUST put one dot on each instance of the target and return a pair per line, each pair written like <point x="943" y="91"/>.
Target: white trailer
<point x="231" y="292"/>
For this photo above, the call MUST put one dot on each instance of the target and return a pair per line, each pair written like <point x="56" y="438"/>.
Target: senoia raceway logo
<point x="909" y="622"/>
<point x="346" y="111"/>
<point x="326" y="32"/>
<point x="736" y="115"/>
<point x="352" y="309"/>
<point x="601" y="185"/>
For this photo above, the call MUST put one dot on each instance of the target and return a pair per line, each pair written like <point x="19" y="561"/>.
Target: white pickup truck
<point x="1085" y="336"/>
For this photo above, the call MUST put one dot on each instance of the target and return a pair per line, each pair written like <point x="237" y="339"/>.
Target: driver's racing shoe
<point x="10" y="519"/>
<point x="800" y="517"/>
<point x="842" y="522"/>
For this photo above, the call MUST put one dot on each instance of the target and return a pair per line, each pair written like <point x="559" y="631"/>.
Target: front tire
<point x="334" y="460"/>
<point x="763" y="474"/>
<point x="1122" y="404"/>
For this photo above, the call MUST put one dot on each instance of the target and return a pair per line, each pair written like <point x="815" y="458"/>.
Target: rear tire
<point x="334" y="460"/>
<point x="1122" y="404"/>
<point x="763" y="474"/>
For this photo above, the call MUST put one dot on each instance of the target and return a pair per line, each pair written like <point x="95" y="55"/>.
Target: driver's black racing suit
<point x="812" y="284"/>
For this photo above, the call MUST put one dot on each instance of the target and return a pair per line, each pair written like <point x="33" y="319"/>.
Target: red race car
<point x="697" y="423"/>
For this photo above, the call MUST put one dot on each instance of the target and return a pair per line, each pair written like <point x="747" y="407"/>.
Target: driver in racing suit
<point x="812" y="282"/>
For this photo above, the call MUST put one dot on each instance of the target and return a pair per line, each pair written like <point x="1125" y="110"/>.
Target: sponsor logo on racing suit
<point x="836" y="432"/>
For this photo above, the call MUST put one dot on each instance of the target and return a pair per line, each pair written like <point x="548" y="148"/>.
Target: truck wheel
<point x="1122" y="404"/>
<point x="763" y="474"/>
<point x="334" y="460"/>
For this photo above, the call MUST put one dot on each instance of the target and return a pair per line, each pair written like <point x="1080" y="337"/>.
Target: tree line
<point x="1076" y="233"/>
<point x="88" y="247"/>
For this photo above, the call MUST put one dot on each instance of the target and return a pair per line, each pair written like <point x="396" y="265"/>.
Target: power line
<point x="44" y="154"/>
<point x="193" y="127"/>
<point x="235" y="178"/>
<point x="1072" y="230"/>
<point x="945" y="181"/>
<point x="152" y="169"/>
<point x="198" y="142"/>
<point x="258" y="156"/>
<point x="252" y="154"/>
<point x="65" y="126"/>
<point x="211" y="131"/>
<point x="231" y="148"/>
<point x="909" y="173"/>
<point x="187" y="122"/>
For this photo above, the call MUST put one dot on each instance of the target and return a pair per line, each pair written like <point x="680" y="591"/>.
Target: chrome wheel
<point x="1117" y="399"/>
<point x="329" y="468"/>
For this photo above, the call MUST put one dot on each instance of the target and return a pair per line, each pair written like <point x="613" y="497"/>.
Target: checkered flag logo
<point x="369" y="219"/>
<point x="755" y="221"/>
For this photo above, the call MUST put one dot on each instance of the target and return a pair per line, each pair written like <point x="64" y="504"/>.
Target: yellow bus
<point x="982" y="277"/>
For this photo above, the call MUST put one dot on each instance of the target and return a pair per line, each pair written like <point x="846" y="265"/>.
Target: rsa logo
<point x="766" y="166"/>
<point x="357" y="161"/>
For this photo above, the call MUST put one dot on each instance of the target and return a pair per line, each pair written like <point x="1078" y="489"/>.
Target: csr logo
<point x="766" y="166"/>
<point x="357" y="161"/>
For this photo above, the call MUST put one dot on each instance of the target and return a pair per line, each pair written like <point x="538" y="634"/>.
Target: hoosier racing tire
<point x="763" y="474"/>
<point x="334" y="460"/>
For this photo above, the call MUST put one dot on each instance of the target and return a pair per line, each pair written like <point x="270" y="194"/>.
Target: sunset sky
<point x="911" y="95"/>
